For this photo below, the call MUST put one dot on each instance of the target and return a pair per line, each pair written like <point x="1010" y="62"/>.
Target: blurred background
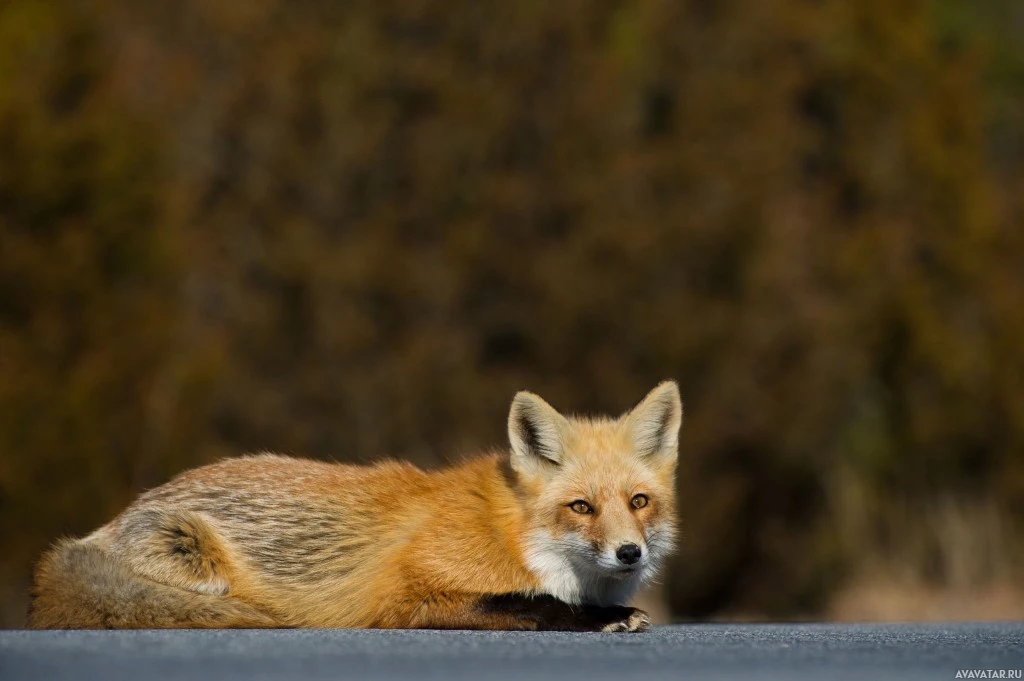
<point x="354" y="229"/>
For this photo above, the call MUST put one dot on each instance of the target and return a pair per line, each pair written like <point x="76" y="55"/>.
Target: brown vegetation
<point x="355" y="229"/>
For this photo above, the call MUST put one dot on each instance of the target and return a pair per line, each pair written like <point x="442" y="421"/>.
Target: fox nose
<point x="628" y="553"/>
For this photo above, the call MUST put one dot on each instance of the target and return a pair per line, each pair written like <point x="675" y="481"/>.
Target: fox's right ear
<point x="536" y="432"/>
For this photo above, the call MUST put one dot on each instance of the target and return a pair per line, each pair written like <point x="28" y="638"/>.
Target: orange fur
<point x="269" y="540"/>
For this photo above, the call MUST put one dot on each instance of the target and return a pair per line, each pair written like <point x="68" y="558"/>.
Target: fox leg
<point x="523" y="612"/>
<point x="177" y="548"/>
<point x="552" y="614"/>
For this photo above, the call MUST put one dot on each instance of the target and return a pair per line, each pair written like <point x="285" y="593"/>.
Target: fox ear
<point x="536" y="432"/>
<point x="656" y="421"/>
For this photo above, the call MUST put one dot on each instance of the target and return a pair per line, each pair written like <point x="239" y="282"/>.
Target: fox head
<point x="599" y="494"/>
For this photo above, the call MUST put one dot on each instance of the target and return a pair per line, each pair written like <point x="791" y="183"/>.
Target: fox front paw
<point x="637" y="620"/>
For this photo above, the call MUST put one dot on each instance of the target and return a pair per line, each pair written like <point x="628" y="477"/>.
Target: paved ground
<point x="711" y="651"/>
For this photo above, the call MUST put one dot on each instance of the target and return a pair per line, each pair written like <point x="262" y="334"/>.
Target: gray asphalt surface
<point x="707" y="651"/>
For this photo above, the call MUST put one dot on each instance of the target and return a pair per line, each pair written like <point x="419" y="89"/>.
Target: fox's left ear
<point x="655" y="422"/>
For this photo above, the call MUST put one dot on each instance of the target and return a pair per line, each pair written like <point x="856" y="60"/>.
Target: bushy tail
<point x="79" y="585"/>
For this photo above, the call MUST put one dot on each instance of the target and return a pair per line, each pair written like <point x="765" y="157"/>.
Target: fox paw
<point x="638" y="620"/>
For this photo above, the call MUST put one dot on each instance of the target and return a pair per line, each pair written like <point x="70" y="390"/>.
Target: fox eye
<point x="580" y="506"/>
<point x="639" y="501"/>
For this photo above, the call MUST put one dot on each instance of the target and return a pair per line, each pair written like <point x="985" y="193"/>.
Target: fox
<point x="557" y="533"/>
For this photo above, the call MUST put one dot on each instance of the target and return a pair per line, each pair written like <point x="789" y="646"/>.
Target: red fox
<point x="557" y="534"/>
